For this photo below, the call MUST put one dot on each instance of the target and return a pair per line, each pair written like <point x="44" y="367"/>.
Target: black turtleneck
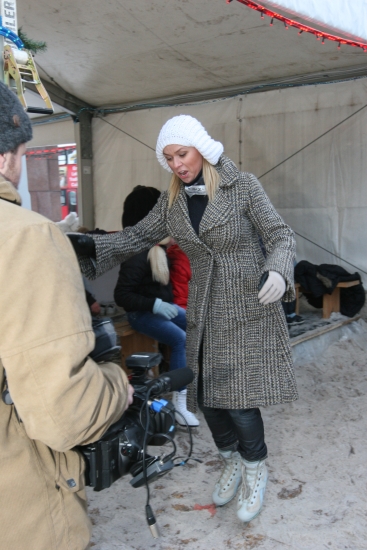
<point x="197" y="203"/>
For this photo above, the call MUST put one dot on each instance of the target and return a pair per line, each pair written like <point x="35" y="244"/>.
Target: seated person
<point x="180" y="273"/>
<point x="291" y="315"/>
<point x="144" y="291"/>
<point x="94" y="306"/>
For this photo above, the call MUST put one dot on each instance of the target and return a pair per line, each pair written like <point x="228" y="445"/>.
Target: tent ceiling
<point x="120" y="51"/>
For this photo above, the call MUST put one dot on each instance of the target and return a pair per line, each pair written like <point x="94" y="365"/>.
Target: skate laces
<point x="253" y="478"/>
<point x="229" y="472"/>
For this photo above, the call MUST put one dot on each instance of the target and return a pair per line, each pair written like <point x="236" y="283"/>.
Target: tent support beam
<point x="333" y="75"/>
<point x="83" y="131"/>
<point x="69" y="102"/>
<point x="83" y="137"/>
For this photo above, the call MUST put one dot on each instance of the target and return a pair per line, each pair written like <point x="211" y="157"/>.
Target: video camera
<point x="148" y="421"/>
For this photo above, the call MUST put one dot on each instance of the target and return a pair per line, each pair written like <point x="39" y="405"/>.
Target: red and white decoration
<point x="348" y="19"/>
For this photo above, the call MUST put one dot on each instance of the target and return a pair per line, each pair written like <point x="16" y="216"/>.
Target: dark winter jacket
<point x="135" y="289"/>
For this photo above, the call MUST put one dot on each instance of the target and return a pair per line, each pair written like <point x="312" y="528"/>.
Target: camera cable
<point x="152" y="523"/>
<point x="166" y="462"/>
<point x="188" y="457"/>
<point x="147" y="435"/>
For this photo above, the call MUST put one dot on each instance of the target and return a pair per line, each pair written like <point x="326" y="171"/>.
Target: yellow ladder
<point x="19" y="70"/>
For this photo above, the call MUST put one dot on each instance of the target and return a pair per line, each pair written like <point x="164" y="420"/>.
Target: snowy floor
<point x="317" y="493"/>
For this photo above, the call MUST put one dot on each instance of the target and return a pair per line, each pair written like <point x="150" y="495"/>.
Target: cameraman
<point x="58" y="397"/>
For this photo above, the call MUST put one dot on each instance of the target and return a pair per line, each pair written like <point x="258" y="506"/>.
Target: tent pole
<point x="83" y="138"/>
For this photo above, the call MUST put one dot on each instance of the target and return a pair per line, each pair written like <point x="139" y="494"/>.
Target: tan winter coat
<point x="247" y="360"/>
<point x="62" y="399"/>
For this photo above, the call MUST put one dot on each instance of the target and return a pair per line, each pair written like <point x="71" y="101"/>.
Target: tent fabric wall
<point x="53" y="133"/>
<point x="320" y="191"/>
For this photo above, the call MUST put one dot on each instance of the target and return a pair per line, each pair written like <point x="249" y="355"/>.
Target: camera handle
<point x="158" y="467"/>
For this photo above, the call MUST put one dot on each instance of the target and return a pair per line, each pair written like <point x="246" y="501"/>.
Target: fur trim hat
<point x="187" y="130"/>
<point x="138" y="204"/>
<point x="15" y="124"/>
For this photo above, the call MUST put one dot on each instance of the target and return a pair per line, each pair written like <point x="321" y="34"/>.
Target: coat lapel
<point x="179" y="220"/>
<point x="219" y="211"/>
<point x="216" y="213"/>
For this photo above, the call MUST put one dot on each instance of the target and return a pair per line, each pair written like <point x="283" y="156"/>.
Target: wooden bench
<point x="133" y="342"/>
<point x="330" y="302"/>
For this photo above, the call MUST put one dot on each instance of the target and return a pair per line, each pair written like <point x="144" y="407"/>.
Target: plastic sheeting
<point x="349" y="18"/>
<point x="320" y="190"/>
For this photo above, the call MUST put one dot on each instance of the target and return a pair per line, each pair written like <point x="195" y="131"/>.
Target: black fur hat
<point x="138" y="204"/>
<point x="15" y="125"/>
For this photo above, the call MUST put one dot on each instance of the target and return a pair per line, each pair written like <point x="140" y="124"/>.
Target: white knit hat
<point x="186" y="130"/>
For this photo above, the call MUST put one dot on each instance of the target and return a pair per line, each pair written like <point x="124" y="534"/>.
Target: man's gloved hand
<point x="130" y="396"/>
<point x="83" y="244"/>
<point x="273" y="288"/>
<point x="168" y="311"/>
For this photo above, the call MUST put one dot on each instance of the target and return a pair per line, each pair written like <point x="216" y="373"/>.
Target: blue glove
<point x="168" y="311"/>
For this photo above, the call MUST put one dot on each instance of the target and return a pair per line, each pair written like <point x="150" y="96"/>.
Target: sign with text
<point x="72" y="175"/>
<point x="8" y="13"/>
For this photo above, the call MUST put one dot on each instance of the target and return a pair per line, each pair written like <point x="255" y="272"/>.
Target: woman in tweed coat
<point x="237" y="337"/>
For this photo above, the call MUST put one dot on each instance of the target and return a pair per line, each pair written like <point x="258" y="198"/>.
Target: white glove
<point x="70" y="223"/>
<point x="273" y="289"/>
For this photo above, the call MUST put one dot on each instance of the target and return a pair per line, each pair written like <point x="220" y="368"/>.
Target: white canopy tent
<point x="124" y="52"/>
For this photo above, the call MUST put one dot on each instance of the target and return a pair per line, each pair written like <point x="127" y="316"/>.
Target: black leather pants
<point x="235" y="429"/>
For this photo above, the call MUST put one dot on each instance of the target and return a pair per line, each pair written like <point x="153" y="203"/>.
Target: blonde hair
<point x="211" y="179"/>
<point x="159" y="263"/>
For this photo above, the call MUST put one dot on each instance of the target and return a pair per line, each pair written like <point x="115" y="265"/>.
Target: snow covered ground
<point x="317" y="492"/>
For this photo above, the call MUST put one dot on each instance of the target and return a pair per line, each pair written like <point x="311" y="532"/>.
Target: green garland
<point x="33" y="45"/>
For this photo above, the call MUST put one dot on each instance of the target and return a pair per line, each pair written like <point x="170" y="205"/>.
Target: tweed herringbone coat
<point x="246" y="353"/>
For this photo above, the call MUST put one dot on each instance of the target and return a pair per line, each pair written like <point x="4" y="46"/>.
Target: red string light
<point x="302" y="28"/>
<point x="49" y="151"/>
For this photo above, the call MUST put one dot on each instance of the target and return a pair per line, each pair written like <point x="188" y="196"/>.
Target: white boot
<point x="228" y="483"/>
<point x="179" y="402"/>
<point x="254" y="479"/>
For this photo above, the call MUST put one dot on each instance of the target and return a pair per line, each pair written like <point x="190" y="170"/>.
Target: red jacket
<point x="180" y="274"/>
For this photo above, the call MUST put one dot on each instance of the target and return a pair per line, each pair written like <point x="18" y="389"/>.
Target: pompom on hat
<point x="15" y="125"/>
<point x="188" y="131"/>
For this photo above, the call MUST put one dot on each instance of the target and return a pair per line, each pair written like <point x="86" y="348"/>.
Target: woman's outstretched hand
<point x="83" y="245"/>
<point x="273" y="288"/>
